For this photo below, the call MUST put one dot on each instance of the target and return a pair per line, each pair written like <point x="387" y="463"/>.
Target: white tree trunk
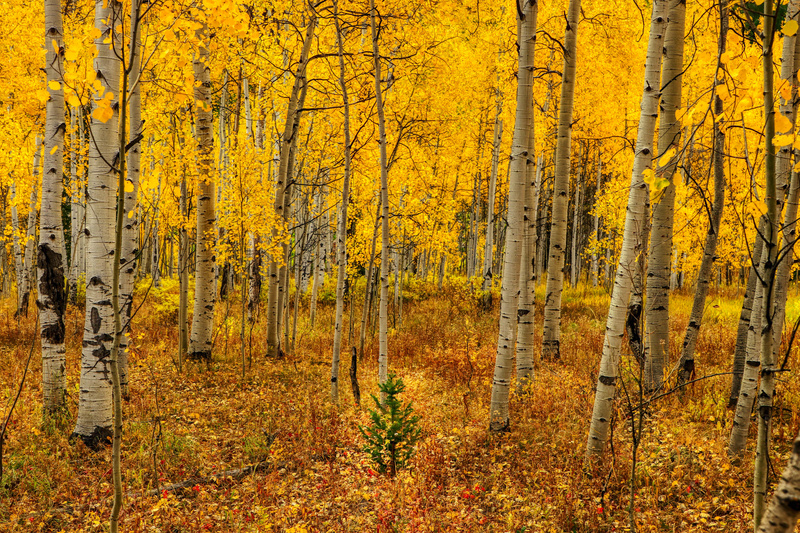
<point x="488" y="250"/>
<point x="784" y="508"/>
<point x="551" y="330"/>
<point x="287" y="139"/>
<point x="341" y="233"/>
<point x="596" y="226"/>
<point x="383" y="350"/>
<point x="24" y="278"/>
<point x="509" y="295"/>
<point x="94" y="408"/>
<point x="130" y="229"/>
<point x="660" y="250"/>
<point x="632" y="246"/>
<point x="51" y="261"/>
<point x="204" y="294"/>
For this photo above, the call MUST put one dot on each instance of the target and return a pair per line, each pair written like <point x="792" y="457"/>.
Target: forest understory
<point x="205" y="450"/>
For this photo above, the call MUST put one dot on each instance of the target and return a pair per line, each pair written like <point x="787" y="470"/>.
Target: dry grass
<point x="204" y="421"/>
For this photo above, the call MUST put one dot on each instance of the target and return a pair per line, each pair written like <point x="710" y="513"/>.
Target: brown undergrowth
<point x="312" y="474"/>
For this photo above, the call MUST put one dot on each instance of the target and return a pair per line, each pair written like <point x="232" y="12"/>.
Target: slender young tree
<point x="768" y="368"/>
<point x="51" y="261"/>
<point x="204" y="294"/>
<point x="341" y="232"/>
<point x="663" y="200"/>
<point x="383" y="350"/>
<point x="25" y="274"/>
<point x="632" y="245"/>
<point x="489" y="242"/>
<point x="130" y="228"/>
<point x="509" y="295"/>
<point x="281" y="187"/>
<point x="686" y="362"/>
<point x="551" y="329"/>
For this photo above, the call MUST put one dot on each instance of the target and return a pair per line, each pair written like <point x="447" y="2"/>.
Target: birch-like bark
<point x="130" y="228"/>
<point x="204" y="294"/>
<point x="574" y="264"/>
<point x="341" y="233"/>
<point x="368" y="282"/>
<point x="784" y="508"/>
<point x="383" y="350"/>
<point x="527" y="277"/>
<point x="768" y="367"/>
<point x="18" y="253"/>
<point x="281" y="186"/>
<point x="51" y="261"/>
<point x="742" y="332"/>
<point x="551" y="329"/>
<point x="77" y="211"/>
<point x="596" y="221"/>
<point x="95" y="408"/>
<point x="632" y="246"/>
<point x="489" y="242"/>
<point x="686" y="362"/>
<point x="659" y="256"/>
<point x="749" y="380"/>
<point x="789" y="228"/>
<point x="25" y="277"/>
<point x="509" y="293"/>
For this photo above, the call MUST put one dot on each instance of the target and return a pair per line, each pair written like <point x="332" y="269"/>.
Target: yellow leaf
<point x="103" y="114"/>
<point x="128" y="186"/>
<point x="790" y="28"/>
<point x="73" y="100"/>
<point x="54" y="86"/>
<point x="131" y="213"/>
<point x="782" y="124"/>
<point x="55" y="46"/>
<point x="664" y="159"/>
<point x="783" y="140"/>
<point x="54" y="150"/>
<point x="42" y="95"/>
<point x="71" y="54"/>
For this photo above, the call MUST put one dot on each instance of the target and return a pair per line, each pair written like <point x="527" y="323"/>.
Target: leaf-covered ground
<point x="201" y="427"/>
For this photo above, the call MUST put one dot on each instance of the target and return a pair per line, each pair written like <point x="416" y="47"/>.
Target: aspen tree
<point x="95" y="408"/>
<point x="686" y="362"/>
<point x="383" y="351"/>
<point x="130" y="228"/>
<point x="632" y="245"/>
<point x="51" y="261"/>
<point x="509" y="295"/>
<point x="281" y="187"/>
<point x="662" y="191"/>
<point x="575" y="262"/>
<point x="742" y="332"/>
<point x="341" y="233"/>
<point x="489" y="242"/>
<point x="77" y="211"/>
<point x="25" y="275"/>
<point x="784" y="507"/>
<point x="768" y="368"/>
<point x="551" y="329"/>
<point x="204" y="294"/>
<point x="789" y="70"/>
<point x="596" y="220"/>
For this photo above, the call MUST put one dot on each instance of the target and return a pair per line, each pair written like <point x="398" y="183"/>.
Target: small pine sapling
<point x="394" y="430"/>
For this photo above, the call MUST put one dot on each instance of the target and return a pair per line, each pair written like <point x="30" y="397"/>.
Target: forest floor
<point x="313" y="475"/>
